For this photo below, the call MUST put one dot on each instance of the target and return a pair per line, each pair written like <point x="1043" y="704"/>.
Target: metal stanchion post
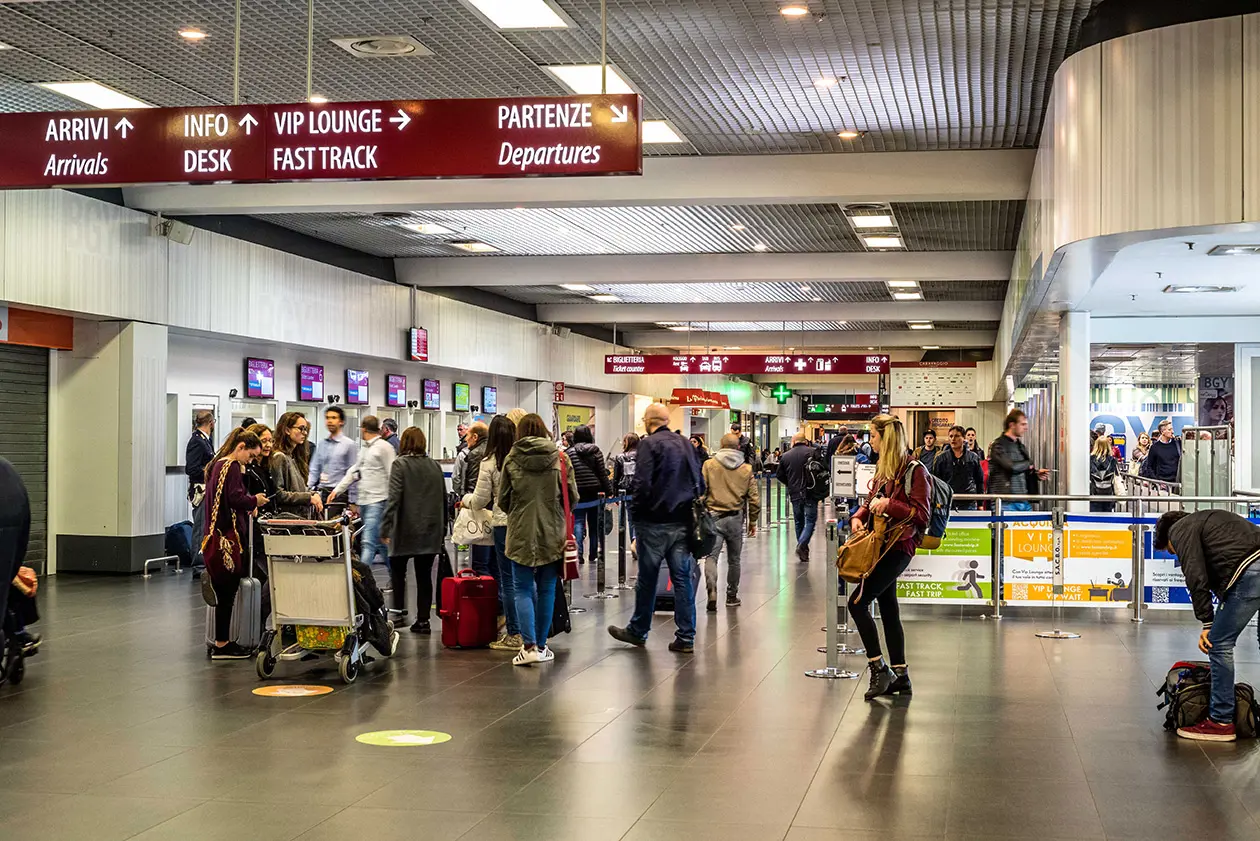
<point x="998" y="554"/>
<point x="1056" y="586"/>
<point x="832" y="670"/>
<point x="766" y="499"/>
<point x="600" y="589"/>
<point x="623" y="533"/>
<point x="1136" y="583"/>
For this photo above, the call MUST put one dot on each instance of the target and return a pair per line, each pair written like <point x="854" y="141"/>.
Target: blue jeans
<point x="586" y="522"/>
<point x="535" y="600"/>
<point x="664" y="542"/>
<point x="1241" y="603"/>
<point x="806" y="513"/>
<point x="1016" y="506"/>
<point x="481" y="559"/>
<point x="371" y="512"/>
<point x="506" y="579"/>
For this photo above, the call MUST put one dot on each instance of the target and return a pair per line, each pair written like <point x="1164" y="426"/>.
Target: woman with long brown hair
<point x="901" y="493"/>
<point x="285" y="470"/>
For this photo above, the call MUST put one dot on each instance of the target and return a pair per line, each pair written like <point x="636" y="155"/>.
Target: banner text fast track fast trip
<point x="454" y="138"/>
<point x="746" y="364"/>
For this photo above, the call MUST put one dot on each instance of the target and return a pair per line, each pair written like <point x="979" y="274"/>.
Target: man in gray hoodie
<point x="730" y="486"/>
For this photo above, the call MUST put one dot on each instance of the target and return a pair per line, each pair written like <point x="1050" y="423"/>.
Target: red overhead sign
<point x="440" y="138"/>
<point x="727" y="363"/>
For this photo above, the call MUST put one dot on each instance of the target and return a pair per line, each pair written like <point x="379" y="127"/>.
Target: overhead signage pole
<point x="728" y="363"/>
<point x="442" y="138"/>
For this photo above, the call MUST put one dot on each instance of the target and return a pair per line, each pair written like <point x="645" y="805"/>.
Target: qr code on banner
<point x="1159" y="595"/>
<point x="1019" y="592"/>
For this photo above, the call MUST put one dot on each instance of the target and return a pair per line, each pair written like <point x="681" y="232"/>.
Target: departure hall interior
<point x="752" y="420"/>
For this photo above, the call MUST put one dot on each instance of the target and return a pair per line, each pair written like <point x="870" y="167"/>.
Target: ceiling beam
<point x="705" y="268"/>
<point x="817" y="339"/>
<point x="997" y="174"/>
<point x="789" y="312"/>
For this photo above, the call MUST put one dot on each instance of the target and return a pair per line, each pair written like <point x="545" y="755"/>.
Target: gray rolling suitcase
<point x="247" y="624"/>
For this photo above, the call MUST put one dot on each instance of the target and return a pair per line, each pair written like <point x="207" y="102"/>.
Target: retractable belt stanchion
<point x="1056" y="587"/>
<point x="623" y="532"/>
<point x="768" y="501"/>
<point x="600" y="588"/>
<point x="998" y="553"/>
<point x="1139" y="560"/>
<point x="832" y="670"/>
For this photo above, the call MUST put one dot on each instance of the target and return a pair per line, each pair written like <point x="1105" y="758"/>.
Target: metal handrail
<point x="1090" y="498"/>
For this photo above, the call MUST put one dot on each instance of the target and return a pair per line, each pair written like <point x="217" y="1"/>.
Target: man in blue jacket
<point x="665" y="484"/>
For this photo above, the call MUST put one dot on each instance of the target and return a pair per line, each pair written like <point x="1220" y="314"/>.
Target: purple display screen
<point x="311" y="383"/>
<point x="260" y="378"/>
<point x="396" y="390"/>
<point x="432" y="394"/>
<point x="356" y="387"/>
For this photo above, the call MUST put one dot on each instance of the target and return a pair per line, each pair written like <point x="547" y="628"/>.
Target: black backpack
<point x="817" y="475"/>
<point x="1186" y="694"/>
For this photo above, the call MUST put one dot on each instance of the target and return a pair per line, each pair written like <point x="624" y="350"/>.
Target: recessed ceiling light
<point x="931" y="347"/>
<point x="1231" y="250"/>
<point x="474" y="247"/>
<point x="316" y="99"/>
<point x="429" y="228"/>
<point x="577" y="287"/>
<point x="761" y="246"/>
<point x="849" y="134"/>
<point x="825" y="82"/>
<point x="805" y="288"/>
<point x="884" y="221"/>
<point x="383" y="46"/>
<point x="792" y="348"/>
<point x="907" y="296"/>
<point x="921" y="325"/>
<point x="191" y="34"/>
<point x="94" y="94"/>
<point x="520" y="14"/>
<point x="585" y="79"/>
<point x="904" y="284"/>
<point x="882" y="242"/>
<point x="738" y="227"/>
<point x="680" y="328"/>
<point x="660" y="131"/>
<point x="870" y="348"/>
<point x="794" y="10"/>
<point x="732" y="347"/>
<point x="817" y="300"/>
<point x="1191" y="290"/>
<point x="605" y="299"/>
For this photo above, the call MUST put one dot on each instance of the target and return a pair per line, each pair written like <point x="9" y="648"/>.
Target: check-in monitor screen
<point x="356" y="387"/>
<point x="311" y="383"/>
<point x="463" y="397"/>
<point x="396" y="390"/>
<point x="432" y="394"/>
<point x="489" y="400"/>
<point x="260" y="378"/>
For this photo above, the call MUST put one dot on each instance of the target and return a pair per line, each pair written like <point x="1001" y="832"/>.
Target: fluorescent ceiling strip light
<point x="474" y="247"/>
<point x="885" y="221"/>
<point x="577" y="287"/>
<point x="903" y="284"/>
<point x="882" y="241"/>
<point x="429" y="228"/>
<point x="584" y="79"/>
<point x="907" y="296"/>
<point x="520" y="14"/>
<point x="605" y="299"/>
<point x="94" y="94"/>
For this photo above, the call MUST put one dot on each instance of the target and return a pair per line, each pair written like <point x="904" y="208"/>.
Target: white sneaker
<point x="546" y="655"/>
<point x="527" y="657"/>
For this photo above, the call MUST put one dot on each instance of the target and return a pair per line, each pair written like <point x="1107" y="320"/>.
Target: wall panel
<point x="1075" y="210"/>
<point x="1251" y="116"/>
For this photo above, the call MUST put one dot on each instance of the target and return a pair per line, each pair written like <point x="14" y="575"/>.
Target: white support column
<point x="1246" y="416"/>
<point x="1073" y="446"/>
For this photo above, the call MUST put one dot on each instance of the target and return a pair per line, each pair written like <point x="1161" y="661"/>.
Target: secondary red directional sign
<point x="800" y="363"/>
<point x="445" y="138"/>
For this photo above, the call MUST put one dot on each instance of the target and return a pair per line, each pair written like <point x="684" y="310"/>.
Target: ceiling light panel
<point x="904" y="284"/>
<point x="428" y="228"/>
<point x="577" y="287"/>
<point x="604" y="299"/>
<point x="907" y="296"/>
<point x="474" y="247"/>
<point x="884" y="220"/>
<point x="520" y="14"/>
<point x="586" y="79"/>
<point x="883" y="241"/>
<point x="94" y="94"/>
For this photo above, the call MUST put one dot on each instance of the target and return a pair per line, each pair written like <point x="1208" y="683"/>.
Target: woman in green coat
<point x="530" y="495"/>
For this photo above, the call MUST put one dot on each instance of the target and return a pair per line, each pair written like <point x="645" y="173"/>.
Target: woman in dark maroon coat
<point x="228" y="507"/>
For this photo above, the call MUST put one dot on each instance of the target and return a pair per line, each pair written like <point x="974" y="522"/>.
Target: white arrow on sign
<point x="621" y="114"/>
<point x="248" y="122"/>
<point x="402" y="119"/>
<point x="123" y="126"/>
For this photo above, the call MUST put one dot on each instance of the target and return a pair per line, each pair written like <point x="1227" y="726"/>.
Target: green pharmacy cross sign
<point x="781" y="393"/>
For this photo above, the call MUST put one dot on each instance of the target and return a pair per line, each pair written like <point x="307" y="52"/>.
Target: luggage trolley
<point x="312" y="588"/>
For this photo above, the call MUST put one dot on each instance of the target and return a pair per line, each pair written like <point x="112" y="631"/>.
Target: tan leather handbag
<point x="858" y="556"/>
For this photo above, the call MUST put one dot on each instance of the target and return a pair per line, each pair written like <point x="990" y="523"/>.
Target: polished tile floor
<point x="123" y="729"/>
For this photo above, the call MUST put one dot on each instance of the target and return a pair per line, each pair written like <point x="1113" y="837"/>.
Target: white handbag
<point x="472" y="528"/>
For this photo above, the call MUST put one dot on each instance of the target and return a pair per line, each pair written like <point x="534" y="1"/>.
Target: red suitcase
<point x="470" y="610"/>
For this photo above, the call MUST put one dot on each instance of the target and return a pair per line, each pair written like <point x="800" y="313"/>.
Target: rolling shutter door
<point x="24" y="435"/>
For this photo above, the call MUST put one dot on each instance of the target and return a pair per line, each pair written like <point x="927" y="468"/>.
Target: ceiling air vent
<point x="383" y="46"/>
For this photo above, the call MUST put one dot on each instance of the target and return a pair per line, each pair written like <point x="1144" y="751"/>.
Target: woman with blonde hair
<point x="901" y="493"/>
<point x="1139" y="452"/>
<point x="1102" y="473"/>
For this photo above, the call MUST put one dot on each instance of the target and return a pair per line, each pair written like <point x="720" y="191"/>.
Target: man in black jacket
<point x="1163" y="459"/>
<point x="1011" y="470"/>
<point x="960" y="467"/>
<point x="197" y="455"/>
<point x="794" y="474"/>
<point x="1218" y="551"/>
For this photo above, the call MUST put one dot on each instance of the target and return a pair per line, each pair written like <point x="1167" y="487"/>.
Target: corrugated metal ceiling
<point x="831" y="292"/>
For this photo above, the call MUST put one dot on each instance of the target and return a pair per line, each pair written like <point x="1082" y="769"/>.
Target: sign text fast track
<point x="443" y="138"/>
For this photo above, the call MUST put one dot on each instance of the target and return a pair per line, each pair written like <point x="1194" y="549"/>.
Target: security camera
<point x="412" y="404"/>
<point x="334" y="398"/>
<point x="232" y="394"/>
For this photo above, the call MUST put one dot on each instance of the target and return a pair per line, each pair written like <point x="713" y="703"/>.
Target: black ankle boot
<point x="901" y="681"/>
<point x="881" y="679"/>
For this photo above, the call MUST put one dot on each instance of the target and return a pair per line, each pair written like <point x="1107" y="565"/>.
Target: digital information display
<point x="863" y="404"/>
<point x="489" y="400"/>
<point x="418" y="345"/>
<point x="439" y="138"/>
<point x="260" y="379"/>
<point x="356" y="387"/>
<point x="396" y="390"/>
<point x="463" y="397"/>
<point x="746" y="364"/>
<point x="432" y="394"/>
<point x="311" y="383"/>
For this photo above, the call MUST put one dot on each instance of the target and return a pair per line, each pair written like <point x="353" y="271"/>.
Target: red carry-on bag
<point x="470" y="610"/>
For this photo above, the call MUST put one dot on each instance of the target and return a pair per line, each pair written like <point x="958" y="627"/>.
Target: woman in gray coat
<point x="413" y="527"/>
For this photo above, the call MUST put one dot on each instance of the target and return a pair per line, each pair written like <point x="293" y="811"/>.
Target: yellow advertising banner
<point x="569" y="418"/>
